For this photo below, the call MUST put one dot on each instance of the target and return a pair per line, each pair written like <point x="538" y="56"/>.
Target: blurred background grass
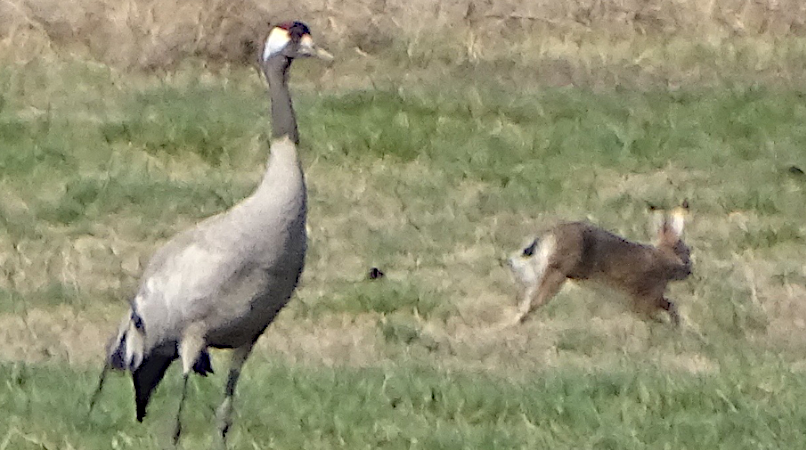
<point x="433" y="146"/>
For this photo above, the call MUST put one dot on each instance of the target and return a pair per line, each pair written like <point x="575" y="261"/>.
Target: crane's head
<point x="292" y="40"/>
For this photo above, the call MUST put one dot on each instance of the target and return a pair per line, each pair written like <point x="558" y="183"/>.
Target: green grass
<point x="282" y="406"/>
<point x="433" y="183"/>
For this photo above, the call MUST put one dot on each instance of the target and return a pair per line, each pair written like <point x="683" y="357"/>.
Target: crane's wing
<point x="186" y="280"/>
<point x="212" y="273"/>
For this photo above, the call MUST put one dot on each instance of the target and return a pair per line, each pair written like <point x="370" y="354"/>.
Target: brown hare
<point x="582" y="251"/>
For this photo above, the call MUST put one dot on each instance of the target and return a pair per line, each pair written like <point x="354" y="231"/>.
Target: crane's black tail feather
<point x="146" y="377"/>
<point x="151" y="371"/>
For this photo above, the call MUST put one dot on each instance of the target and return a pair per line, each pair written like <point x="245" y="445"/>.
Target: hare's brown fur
<point x="583" y="251"/>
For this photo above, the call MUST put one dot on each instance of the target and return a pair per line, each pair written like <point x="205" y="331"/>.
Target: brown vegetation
<point x="151" y="34"/>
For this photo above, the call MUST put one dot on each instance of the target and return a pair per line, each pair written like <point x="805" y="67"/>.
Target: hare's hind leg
<point x="648" y="306"/>
<point x="669" y="306"/>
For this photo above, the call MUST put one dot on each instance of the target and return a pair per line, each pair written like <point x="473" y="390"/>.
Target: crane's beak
<point x="308" y="48"/>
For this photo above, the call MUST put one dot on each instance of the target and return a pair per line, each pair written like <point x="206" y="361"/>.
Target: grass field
<point x="433" y="176"/>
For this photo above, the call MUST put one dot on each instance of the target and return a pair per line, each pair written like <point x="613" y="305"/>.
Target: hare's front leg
<point x="548" y="286"/>
<point x="647" y="307"/>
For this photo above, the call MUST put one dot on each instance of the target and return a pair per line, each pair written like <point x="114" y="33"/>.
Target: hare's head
<point x="530" y="261"/>
<point x="668" y="228"/>
<point x="521" y="263"/>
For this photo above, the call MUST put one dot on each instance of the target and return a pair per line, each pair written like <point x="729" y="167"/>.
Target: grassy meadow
<point x="431" y="166"/>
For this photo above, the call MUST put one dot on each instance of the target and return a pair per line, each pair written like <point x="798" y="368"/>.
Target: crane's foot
<point x="224" y="418"/>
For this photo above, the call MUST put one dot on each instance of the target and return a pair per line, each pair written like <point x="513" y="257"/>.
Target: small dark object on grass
<point x="795" y="170"/>
<point x="375" y="273"/>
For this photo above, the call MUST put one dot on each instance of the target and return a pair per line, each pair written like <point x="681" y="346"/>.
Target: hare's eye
<point x="530" y="250"/>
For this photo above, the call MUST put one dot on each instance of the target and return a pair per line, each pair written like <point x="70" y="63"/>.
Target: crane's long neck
<point x="283" y="119"/>
<point x="283" y="184"/>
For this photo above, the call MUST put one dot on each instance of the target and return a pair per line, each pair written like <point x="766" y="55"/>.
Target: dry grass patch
<point x="63" y="335"/>
<point x="433" y="184"/>
<point x="557" y="43"/>
<point x="58" y="334"/>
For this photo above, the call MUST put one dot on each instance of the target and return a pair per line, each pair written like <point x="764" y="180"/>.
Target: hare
<point x="582" y="251"/>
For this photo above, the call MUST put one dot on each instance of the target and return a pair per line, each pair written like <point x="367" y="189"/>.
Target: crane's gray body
<point x="221" y="283"/>
<point x="234" y="271"/>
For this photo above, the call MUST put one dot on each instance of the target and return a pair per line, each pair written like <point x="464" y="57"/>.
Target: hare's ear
<point x="677" y="219"/>
<point x="657" y="220"/>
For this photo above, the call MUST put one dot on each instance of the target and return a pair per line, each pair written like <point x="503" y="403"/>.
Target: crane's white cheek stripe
<point x="278" y="38"/>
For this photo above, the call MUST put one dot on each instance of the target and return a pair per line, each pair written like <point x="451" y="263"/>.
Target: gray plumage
<point x="221" y="283"/>
<point x="234" y="271"/>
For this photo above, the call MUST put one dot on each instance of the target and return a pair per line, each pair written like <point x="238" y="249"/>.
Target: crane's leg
<point x="224" y="411"/>
<point x="97" y="392"/>
<point x="178" y="428"/>
<point x="190" y="349"/>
